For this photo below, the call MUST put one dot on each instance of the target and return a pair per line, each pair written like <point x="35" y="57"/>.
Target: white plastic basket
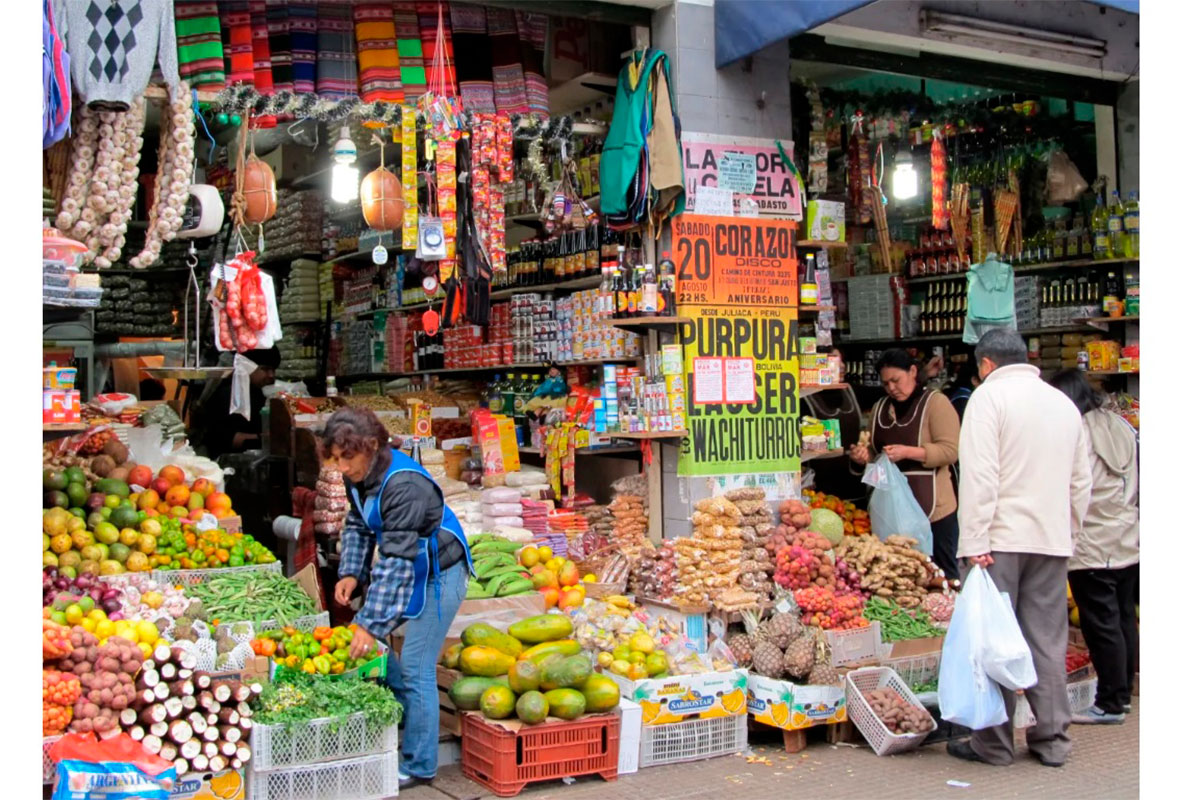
<point x="1081" y="695"/>
<point x="916" y="669"/>
<point x="191" y="577"/>
<point x="306" y="624"/>
<point x="370" y="778"/>
<point x="48" y="766"/>
<point x="322" y="740"/>
<point x="882" y="740"/>
<point x="857" y="644"/>
<point x="692" y="740"/>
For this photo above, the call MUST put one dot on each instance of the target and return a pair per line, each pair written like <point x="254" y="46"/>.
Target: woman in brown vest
<point x="918" y="430"/>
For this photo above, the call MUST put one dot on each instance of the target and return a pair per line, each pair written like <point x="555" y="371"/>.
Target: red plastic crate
<point x="505" y="761"/>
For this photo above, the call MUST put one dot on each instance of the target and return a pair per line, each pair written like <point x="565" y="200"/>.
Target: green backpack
<point x="989" y="298"/>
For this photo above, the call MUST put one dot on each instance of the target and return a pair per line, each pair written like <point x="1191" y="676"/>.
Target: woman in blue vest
<point x="419" y="572"/>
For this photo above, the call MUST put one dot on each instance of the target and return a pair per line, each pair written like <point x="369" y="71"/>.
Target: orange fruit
<point x="148" y="499"/>
<point x="218" y="501"/>
<point x="178" y="495"/>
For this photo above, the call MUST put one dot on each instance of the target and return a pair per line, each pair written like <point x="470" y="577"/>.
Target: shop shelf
<point x="819" y="244"/>
<point x="370" y="778"/>
<point x="643" y="324"/>
<point x="692" y="740"/>
<point x="505" y="761"/>
<point x="1081" y="695"/>
<point x="1077" y="263"/>
<point x="1097" y="321"/>
<point x="882" y="740"/>
<point x="599" y="450"/>
<point x="1110" y="372"/>
<point x="587" y="282"/>
<point x="191" y="577"/>
<point x="809" y="390"/>
<point x="591" y="362"/>
<point x="48" y="766"/>
<point x="815" y="309"/>
<point x="806" y="456"/>
<point x="320" y="741"/>
<point x="649" y="435"/>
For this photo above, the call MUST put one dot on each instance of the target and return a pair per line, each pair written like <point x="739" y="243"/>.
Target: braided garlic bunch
<point x="176" y="162"/>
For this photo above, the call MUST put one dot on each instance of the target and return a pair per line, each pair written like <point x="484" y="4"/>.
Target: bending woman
<point x="918" y="430"/>
<point x="419" y="572"/>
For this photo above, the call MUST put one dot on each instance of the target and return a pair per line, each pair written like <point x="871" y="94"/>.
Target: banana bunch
<point x="497" y="573"/>
<point x="619" y="604"/>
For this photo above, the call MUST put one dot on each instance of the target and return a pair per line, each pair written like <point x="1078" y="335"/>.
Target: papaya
<point x="538" y="653"/>
<point x="600" y="693"/>
<point x="450" y="657"/>
<point x="497" y="702"/>
<point x="569" y="672"/>
<point x="489" y="661"/>
<point x="484" y="635"/>
<point x="566" y="703"/>
<point x="524" y="676"/>
<point x="532" y="708"/>
<point x="465" y="692"/>
<point x="542" y="628"/>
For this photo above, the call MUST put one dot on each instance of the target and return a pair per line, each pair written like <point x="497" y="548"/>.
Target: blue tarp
<point x="743" y="27"/>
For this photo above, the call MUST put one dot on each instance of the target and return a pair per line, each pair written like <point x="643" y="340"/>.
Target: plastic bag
<point x="966" y="695"/>
<point x="1064" y="184"/>
<point x="117" y="768"/>
<point x="1006" y="655"/>
<point x="894" y="510"/>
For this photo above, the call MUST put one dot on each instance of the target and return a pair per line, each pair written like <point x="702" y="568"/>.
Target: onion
<point x="110" y="594"/>
<point x="114" y="613"/>
<point x="62" y="584"/>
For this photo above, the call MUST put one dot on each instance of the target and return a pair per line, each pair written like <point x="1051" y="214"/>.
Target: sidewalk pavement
<point x="1104" y="761"/>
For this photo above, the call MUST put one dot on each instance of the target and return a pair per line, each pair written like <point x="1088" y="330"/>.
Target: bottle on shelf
<point x="1112" y="292"/>
<point x="1133" y="227"/>
<point x="808" y="287"/>
<point x="508" y="394"/>
<point x="621" y="310"/>
<point x="1100" y="241"/>
<point x="521" y="394"/>
<point x="495" y="399"/>
<point x="666" y="285"/>
<point x="648" y="298"/>
<point x="1116" y="227"/>
<point x="635" y="291"/>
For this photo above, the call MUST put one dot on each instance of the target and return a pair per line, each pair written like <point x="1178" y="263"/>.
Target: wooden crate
<point x="798" y="740"/>
<point x="449" y="720"/>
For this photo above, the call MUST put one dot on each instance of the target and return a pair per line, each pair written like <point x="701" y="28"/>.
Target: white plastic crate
<point x="857" y="644"/>
<point x="882" y="740"/>
<point x="306" y="623"/>
<point x="1081" y="695"/>
<point x="692" y="740"/>
<point x="916" y="669"/>
<point x="191" y="577"/>
<point x="48" y="766"/>
<point x="322" y="740"/>
<point x="370" y="778"/>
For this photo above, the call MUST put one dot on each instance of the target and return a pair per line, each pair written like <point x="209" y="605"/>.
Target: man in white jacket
<point x="1023" y="495"/>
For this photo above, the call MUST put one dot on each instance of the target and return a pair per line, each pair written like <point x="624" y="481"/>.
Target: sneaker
<point x="1096" y="716"/>
<point x="1127" y="708"/>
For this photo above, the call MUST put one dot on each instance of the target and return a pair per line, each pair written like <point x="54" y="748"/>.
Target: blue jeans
<point x="413" y="675"/>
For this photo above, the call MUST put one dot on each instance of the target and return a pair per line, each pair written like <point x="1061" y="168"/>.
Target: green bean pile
<point x="253" y="595"/>
<point x="896" y="623"/>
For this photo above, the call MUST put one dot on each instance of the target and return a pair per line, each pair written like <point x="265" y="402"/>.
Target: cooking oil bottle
<point x="1133" y="236"/>
<point x="1116" y="227"/>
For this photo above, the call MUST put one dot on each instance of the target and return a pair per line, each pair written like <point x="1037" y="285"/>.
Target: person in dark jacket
<point x="233" y="433"/>
<point x="399" y="515"/>
<point x="966" y="380"/>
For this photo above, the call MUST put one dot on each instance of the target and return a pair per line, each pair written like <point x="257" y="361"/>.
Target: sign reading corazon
<point x="748" y="167"/>
<point x="737" y="281"/>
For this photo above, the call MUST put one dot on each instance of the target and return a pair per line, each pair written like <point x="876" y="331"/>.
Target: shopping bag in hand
<point x="1006" y="655"/>
<point x="894" y="510"/>
<point x="966" y="695"/>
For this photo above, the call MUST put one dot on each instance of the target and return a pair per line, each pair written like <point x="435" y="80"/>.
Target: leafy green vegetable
<point x="896" y="622"/>
<point x="296" y="698"/>
<point x="922" y="688"/>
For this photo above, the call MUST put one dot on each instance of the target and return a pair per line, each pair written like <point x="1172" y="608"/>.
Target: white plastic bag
<point x="894" y="510"/>
<point x="1064" y="184"/>
<point x="966" y="695"/>
<point x="1006" y="656"/>
<point x="239" y="397"/>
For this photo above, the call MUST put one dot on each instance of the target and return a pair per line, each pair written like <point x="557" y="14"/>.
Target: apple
<point x="203" y="486"/>
<point x="160" y="485"/>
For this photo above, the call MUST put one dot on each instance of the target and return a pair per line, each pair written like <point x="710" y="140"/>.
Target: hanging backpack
<point x="990" y="302"/>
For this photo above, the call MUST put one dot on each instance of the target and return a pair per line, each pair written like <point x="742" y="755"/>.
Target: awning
<point x="743" y="28"/>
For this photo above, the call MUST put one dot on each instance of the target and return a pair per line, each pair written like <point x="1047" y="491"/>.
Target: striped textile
<point x="198" y="36"/>
<point x="238" y="42"/>
<point x="337" y="64"/>
<point x="302" y="27"/>
<point x="532" y="30"/>
<point x="427" y="20"/>
<point x="408" y="46"/>
<point x="279" y="36"/>
<point x="507" y="74"/>
<point x="264" y="79"/>
<point x="474" y="64"/>
<point x="378" y="59"/>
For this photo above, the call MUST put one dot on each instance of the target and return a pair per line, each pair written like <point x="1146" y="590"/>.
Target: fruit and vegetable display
<point x="295" y="700"/>
<point x="533" y="672"/>
<point x="709" y="561"/>
<point x="497" y="571"/>
<point x="894" y="569"/>
<point x="258" y="596"/>
<point x="823" y="608"/>
<point x="854" y="521"/>
<point x="899" y="715"/>
<point x="625" y="640"/>
<point x="322" y="651"/>
<point x="782" y="646"/>
<point x="897" y="623"/>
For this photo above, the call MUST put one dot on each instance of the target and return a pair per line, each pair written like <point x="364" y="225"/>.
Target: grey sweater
<point x="113" y="45"/>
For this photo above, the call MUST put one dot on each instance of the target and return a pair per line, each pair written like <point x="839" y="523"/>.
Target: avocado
<point x="55" y="499"/>
<point x="110" y="486"/>
<point x="53" y="480"/>
<point x="75" y="475"/>
<point x="77" y="493"/>
<point x="124" y="518"/>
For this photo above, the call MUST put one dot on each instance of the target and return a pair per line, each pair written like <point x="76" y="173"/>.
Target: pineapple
<point x="742" y="647"/>
<point x="768" y="660"/>
<point x="783" y="629"/>
<point x="823" y="673"/>
<point x="798" y="660"/>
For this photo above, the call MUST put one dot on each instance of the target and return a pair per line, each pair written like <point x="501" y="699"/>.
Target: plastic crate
<point x="191" y="577"/>
<point x="306" y="624"/>
<point x="1081" y="695"/>
<point x="321" y="740"/>
<point x="505" y="761"/>
<point x="858" y="644"/>
<point x="916" y="669"/>
<point x="370" y="778"/>
<point x="882" y="740"/>
<point x="692" y="740"/>
<point x="48" y="766"/>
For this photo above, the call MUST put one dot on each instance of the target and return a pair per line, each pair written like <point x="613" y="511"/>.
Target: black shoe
<point x="411" y="781"/>
<point x="1128" y="708"/>
<point x="1048" y="763"/>
<point x="962" y="749"/>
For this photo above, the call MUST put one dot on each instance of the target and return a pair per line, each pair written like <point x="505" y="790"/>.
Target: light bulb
<point x="904" y="178"/>
<point x="345" y="183"/>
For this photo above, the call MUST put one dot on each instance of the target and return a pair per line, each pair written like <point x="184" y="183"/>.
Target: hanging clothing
<point x="532" y="31"/>
<point x="113" y="46"/>
<point x="264" y="75"/>
<point x="507" y="72"/>
<point x="198" y="34"/>
<point x="302" y="33"/>
<point x="990" y="300"/>
<point x="408" y="46"/>
<point x="378" y="61"/>
<point x="279" y="36"/>
<point x="472" y="38"/>
<point x="337" y="55"/>
<point x="237" y="40"/>
<point x="56" y="81"/>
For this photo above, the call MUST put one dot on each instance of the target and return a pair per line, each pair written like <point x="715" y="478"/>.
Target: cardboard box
<point x="691" y="621"/>
<point x="791" y="707"/>
<point x="825" y="220"/>
<point x="910" y="648"/>
<point x="256" y="669"/>
<point x="708" y="695"/>
<point x="229" y="785"/>
<point x="631" y="737"/>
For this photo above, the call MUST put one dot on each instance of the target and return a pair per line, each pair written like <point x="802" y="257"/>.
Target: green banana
<point x="515" y="587"/>
<point x="475" y="590"/>
<point x="488" y="562"/>
<point x="495" y="547"/>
